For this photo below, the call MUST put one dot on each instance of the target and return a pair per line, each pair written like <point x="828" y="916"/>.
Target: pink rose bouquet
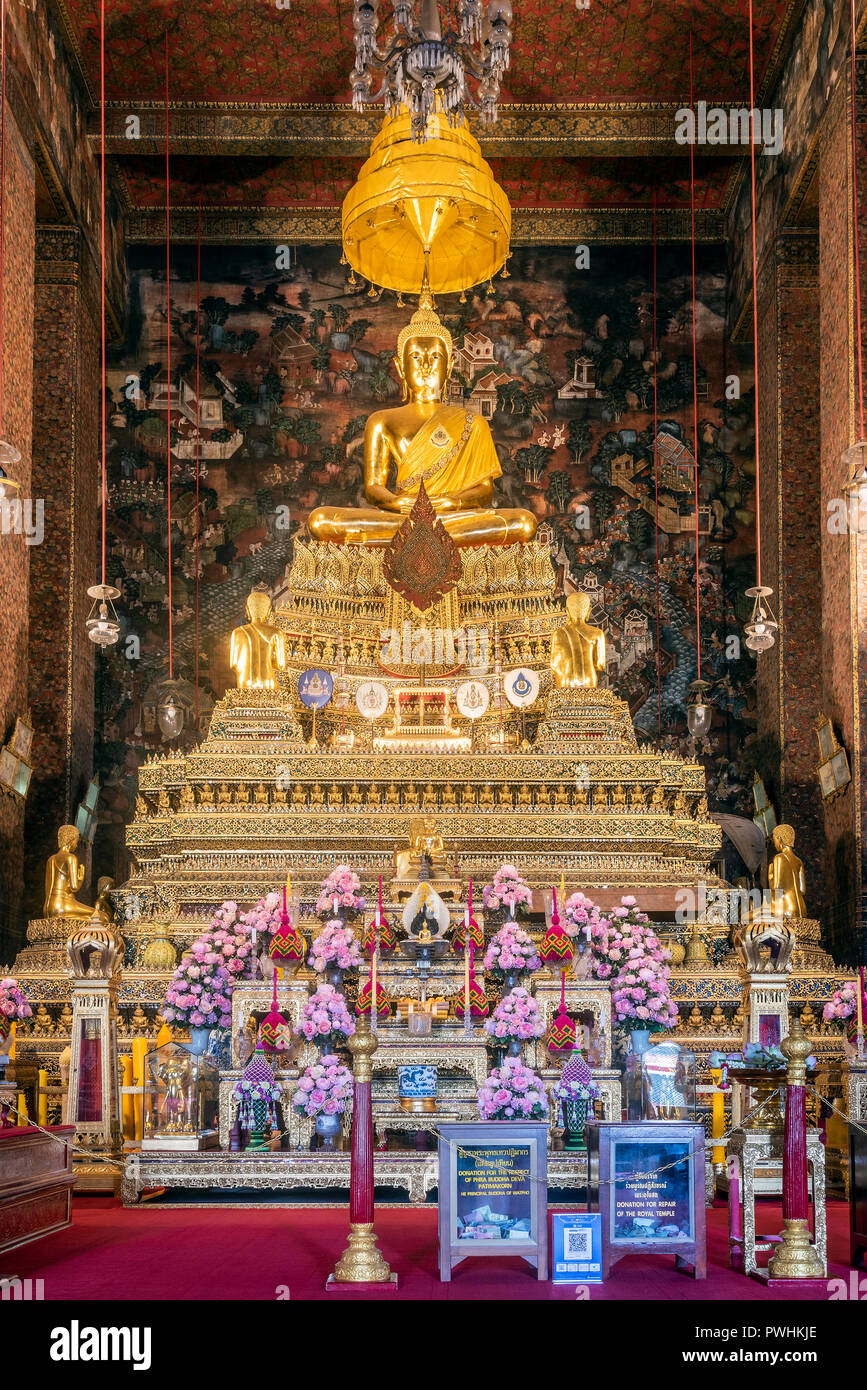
<point x="629" y="954"/>
<point x="264" y="919"/>
<point x="341" y="894"/>
<point x="13" y="1004"/>
<point x="336" y="946"/>
<point x="516" y="1017"/>
<point x="325" y="1019"/>
<point x="842" y="1003"/>
<point x="512" y="1092"/>
<point x="508" y="890"/>
<point x="511" y="949"/>
<point x="324" y="1089"/>
<point x="200" y="991"/>
<point x="579" y="916"/>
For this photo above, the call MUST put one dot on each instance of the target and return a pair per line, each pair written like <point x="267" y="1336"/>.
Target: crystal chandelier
<point x="103" y="625"/>
<point x="761" y="629"/>
<point x="424" y="69"/>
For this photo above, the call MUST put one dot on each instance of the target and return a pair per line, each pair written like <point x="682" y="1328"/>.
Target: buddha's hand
<point x="445" y="504"/>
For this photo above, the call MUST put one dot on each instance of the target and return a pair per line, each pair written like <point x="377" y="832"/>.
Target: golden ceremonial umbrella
<point x="433" y="206"/>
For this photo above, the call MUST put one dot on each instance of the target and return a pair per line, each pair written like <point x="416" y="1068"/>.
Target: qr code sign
<point x="577" y="1244"/>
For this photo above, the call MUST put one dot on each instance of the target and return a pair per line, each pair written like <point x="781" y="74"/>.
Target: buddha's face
<point x="425" y="368"/>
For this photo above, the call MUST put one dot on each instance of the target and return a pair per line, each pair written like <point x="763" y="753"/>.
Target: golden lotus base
<point x="361" y="1261"/>
<point x="797" y="1257"/>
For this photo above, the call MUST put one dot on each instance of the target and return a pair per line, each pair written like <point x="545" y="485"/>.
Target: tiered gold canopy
<point x="439" y="198"/>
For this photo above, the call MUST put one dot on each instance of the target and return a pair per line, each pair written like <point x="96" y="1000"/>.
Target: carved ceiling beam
<point x="626" y="129"/>
<point x="545" y="226"/>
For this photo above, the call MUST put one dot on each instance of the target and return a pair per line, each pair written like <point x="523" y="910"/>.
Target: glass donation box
<point x="181" y="1100"/>
<point x="660" y="1083"/>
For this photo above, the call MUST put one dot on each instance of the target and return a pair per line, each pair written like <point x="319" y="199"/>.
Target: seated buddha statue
<point x="64" y="875"/>
<point x="260" y="794"/>
<point x="257" y="650"/>
<point x="299" y="795"/>
<point x="425" y="842"/>
<point x="224" y="796"/>
<point x="206" y="794"/>
<point x="317" y="795"/>
<point x="618" y="796"/>
<point x="447" y="447"/>
<point x="577" y="648"/>
<point x="525" y="796"/>
<point x="486" y="795"/>
<point x="449" y="798"/>
<point x="786" y="875"/>
<point x="353" y="796"/>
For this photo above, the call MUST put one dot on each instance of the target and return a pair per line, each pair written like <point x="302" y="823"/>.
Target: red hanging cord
<point x="656" y="479"/>
<point x="755" y="300"/>
<point x="856" y="235"/>
<point x="102" y="267"/>
<point x="2" y="187"/>
<point x="168" y="368"/>
<point x="694" y="370"/>
<point x="198" y="426"/>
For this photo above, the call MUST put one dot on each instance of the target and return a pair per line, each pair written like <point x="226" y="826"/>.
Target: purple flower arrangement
<point x="324" y="1088"/>
<point x="508" y="890"/>
<point x="336" y="945"/>
<point x="516" y="1017"/>
<point x="841" y="1005"/>
<point x="512" y="1092"/>
<point x="325" y="1019"/>
<point x="341" y="894"/>
<point x="629" y="954"/>
<point x="575" y="1081"/>
<point x="511" y="949"/>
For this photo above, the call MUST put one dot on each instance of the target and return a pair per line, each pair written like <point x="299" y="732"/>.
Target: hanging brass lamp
<point x="434" y="205"/>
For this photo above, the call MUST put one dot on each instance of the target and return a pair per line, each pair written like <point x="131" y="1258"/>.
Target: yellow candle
<point x="718" y="1118"/>
<point x="127" y="1105"/>
<point x="562" y="889"/>
<point x="23" y="1119"/>
<point x="164" y="1035"/>
<point x="139" y="1048"/>
<point x="858" y="1005"/>
<point x="288" y="882"/>
<point x="42" y="1098"/>
<point x="12" y="1032"/>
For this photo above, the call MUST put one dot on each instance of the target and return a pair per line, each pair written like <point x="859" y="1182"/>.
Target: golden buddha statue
<point x="260" y="794"/>
<point x="581" y="795"/>
<point x="561" y="796"/>
<point x="447" y="447"/>
<point x="64" y="875"/>
<point x="224" y="796"/>
<point x="187" y="800"/>
<point x="373" y="796"/>
<point x="353" y="796"/>
<point x="525" y="796"/>
<point x="392" y="795"/>
<point x="317" y="795"/>
<point x="257" y="649"/>
<point x="206" y="794"/>
<point x="449" y="797"/>
<point x="638" y="797"/>
<point x="577" y="648"/>
<point x="424" y="840"/>
<point x="786" y="875"/>
<point x="299" y="796"/>
<point x="486" y="795"/>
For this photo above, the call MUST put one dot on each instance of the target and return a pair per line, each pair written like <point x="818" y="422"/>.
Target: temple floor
<point x="174" y="1252"/>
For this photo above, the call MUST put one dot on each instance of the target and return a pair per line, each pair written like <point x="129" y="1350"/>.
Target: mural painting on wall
<point x="558" y="359"/>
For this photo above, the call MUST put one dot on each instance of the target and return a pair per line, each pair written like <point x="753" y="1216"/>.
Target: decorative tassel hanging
<point x="561" y="1035"/>
<point x="478" y="1002"/>
<point x="557" y="947"/>
<point x="274" y="1031"/>
<point x="386" y="934"/>
<point x="468" y="931"/>
<point x="286" y="946"/>
<point x="365" y="995"/>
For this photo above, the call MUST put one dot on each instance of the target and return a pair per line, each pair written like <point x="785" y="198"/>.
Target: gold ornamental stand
<point x="361" y="1266"/>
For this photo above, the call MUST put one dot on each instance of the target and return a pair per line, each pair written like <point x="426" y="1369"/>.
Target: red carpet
<point x="154" y="1252"/>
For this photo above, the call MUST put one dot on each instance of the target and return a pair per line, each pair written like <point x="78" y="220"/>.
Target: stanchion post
<point x="797" y="1257"/>
<point x="362" y="1262"/>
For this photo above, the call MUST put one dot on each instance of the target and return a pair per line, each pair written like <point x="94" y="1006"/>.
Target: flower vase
<point x="514" y="1048"/>
<point x="575" y="1115"/>
<point x="334" y="976"/>
<point x="639" y="1041"/>
<point x="511" y="980"/>
<point x="198" y="1041"/>
<point x="5" y="1028"/>
<point x="328" y="1128"/>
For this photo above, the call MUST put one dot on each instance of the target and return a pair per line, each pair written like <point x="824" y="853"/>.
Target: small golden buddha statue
<point x="658" y="797"/>
<point x="525" y="796"/>
<point x="141" y="808"/>
<point x="429" y="796"/>
<point x="257" y="650"/>
<point x="486" y="795"/>
<point x="317" y="796"/>
<point x="281" y="795"/>
<point x="679" y="804"/>
<point x="187" y="800"/>
<point x="374" y="795"/>
<point x="353" y="796"/>
<point x="206" y="794"/>
<point x="299" y="796"/>
<point x="561" y="796"/>
<point x="242" y="794"/>
<point x="224" y="796"/>
<point x="581" y="794"/>
<point x="260" y="794"/>
<point x="638" y="797"/>
<point x="64" y="875"/>
<point x="449" y="798"/>
<point x="618" y="796"/>
<point x="163" y="803"/>
<point x="504" y="795"/>
<point x="577" y="648"/>
<point x="392" y="795"/>
<point x="447" y="447"/>
<point x="425" y="840"/>
<point x="410" y="795"/>
<point x="335" y="795"/>
<point x="543" y="796"/>
<point x="468" y="794"/>
<point x="786" y="875"/>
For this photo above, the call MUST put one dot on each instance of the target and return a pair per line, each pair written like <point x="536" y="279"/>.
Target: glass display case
<point x="660" y="1083"/>
<point x="181" y="1101"/>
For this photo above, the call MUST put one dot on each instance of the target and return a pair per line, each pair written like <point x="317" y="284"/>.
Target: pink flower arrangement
<point x="511" y="949"/>
<point x="512" y="1092"/>
<point x="579" y="916"/>
<point x="841" y="1005"/>
<point x="13" y="1002"/>
<point x="508" y="890"/>
<point x="335" y="945"/>
<point x="324" y="1088"/>
<point x="341" y="894"/>
<point x="629" y="954"/>
<point x="200" y="991"/>
<point x="516" y="1016"/>
<point x="325" y="1019"/>
<point x="265" y="917"/>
